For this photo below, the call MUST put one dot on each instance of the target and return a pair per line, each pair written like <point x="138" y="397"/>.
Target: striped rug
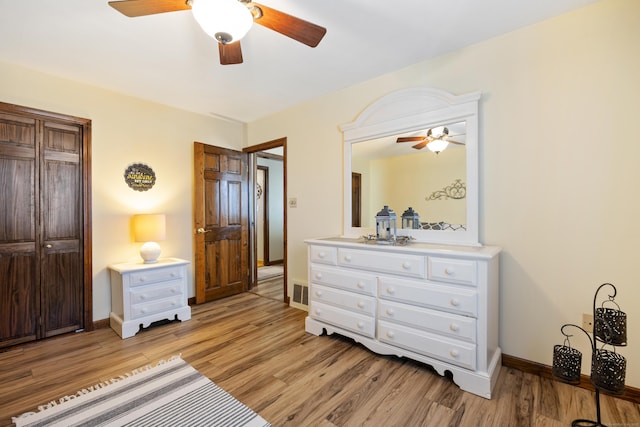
<point x="171" y="393"/>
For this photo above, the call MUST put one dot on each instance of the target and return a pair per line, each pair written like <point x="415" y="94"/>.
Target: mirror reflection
<point x="424" y="170"/>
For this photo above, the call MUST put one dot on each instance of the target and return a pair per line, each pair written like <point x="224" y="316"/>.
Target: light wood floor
<point x="256" y="349"/>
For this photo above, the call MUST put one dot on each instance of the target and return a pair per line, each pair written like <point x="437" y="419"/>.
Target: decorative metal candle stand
<point x="386" y="226"/>
<point x="607" y="367"/>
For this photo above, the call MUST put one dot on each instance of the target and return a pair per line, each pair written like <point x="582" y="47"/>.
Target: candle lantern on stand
<point x="386" y="225"/>
<point x="411" y="219"/>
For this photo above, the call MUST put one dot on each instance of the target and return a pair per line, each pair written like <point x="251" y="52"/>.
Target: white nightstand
<point x="145" y="293"/>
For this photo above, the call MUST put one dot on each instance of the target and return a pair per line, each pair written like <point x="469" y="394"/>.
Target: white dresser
<point x="145" y="293"/>
<point x="435" y="304"/>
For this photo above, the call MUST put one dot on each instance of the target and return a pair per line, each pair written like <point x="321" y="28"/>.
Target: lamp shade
<point x="149" y="228"/>
<point x="225" y="20"/>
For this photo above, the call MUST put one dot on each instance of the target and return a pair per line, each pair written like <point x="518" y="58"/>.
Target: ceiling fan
<point x="436" y="140"/>
<point x="228" y="21"/>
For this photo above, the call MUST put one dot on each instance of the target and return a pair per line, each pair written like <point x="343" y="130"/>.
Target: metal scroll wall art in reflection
<point x="457" y="190"/>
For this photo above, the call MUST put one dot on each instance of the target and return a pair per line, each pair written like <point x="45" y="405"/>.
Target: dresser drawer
<point x="359" y="323"/>
<point x="453" y="325"/>
<point x="158" y="306"/>
<point x="448" y="350"/>
<point x="355" y="281"/>
<point x="461" y="271"/>
<point x="401" y="264"/>
<point x="156" y="275"/>
<point x="323" y="254"/>
<point x="357" y="303"/>
<point x="441" y="297"/>
<point x="144" y="294"/>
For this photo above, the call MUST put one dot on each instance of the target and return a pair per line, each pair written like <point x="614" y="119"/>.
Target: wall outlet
<point x="587" y="322"/>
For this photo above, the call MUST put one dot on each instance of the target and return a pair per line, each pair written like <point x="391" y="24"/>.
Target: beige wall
<point x="127" y="130"/>
<point x="558" y="167"/>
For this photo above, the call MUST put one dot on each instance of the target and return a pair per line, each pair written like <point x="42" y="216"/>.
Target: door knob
<point x="48" y="246"/>
<point x="202" y="231"/>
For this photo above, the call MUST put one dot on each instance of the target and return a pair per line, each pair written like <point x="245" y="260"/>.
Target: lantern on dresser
<point x="410" y="219"/>
<point x="386" y="225"/>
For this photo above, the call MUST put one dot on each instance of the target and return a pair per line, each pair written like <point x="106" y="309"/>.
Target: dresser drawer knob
<point x="360" y="285"/>
<point x="143" y="296"/>
<point x="391" y="291"/>
<point x="454" y="327"/>
<point x="360" y="304"/>
<point x="449" y="272"/>
<point x="455" y="302"/>
<point x="390" y="334"/>
<point x="454" y="354"/>
<point x="318" y="312"/>
<point x="144" y="310"/>
<point x="318" y="293"/>
<point x="360" y="324"/>
<point x="173" y="274"/>
<point x="347" y="258"/>
<point x="321" y="255"/>
<point x="390" y="312"/>
<point x="406" y="265"/>
<point x="318" y="276"/>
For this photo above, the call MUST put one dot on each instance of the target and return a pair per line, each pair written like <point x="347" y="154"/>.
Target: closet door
<point x="45" y="276"/>
<point x="19" y="272"/>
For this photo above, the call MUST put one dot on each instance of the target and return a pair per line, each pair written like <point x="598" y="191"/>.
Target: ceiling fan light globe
<point x="437" y="145"/>
<point x="224" y="20"/>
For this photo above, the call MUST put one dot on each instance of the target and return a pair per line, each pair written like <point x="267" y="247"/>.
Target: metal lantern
<point x="386" y="224"/>
<point x="410" y="219"/>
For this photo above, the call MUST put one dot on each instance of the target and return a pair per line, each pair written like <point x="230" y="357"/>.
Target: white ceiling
<point x="168" y="59"/>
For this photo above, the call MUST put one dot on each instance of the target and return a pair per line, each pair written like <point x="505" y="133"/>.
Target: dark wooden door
<point x="221" y="222"/>
<point x="43" y="275"/>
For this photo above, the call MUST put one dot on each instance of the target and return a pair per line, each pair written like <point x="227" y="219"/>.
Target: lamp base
<point x="150" y="252"/>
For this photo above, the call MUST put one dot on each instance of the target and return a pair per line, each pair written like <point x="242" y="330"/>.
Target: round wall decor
<point x="140" y="177"/>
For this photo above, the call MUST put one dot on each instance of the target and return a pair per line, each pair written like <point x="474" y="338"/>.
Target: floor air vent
<point x="301" y="294"/>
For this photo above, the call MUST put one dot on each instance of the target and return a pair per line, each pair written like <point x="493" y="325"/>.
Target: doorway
<point x="268" y="219"/>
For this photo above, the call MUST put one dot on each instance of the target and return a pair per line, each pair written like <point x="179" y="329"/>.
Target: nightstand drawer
<point x="159" y="306"/>
<point x="154" y="276"/>
<point x="150" y="293"/>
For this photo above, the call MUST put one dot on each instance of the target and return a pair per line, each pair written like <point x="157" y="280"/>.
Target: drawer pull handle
<point x="454" y="354"/>
<point x="391" y="291"/>
<point x="318" y="293"/>
<point x="390" y="312"/>
<point x="449" y="272"/>
<point x="173" y="290"/>
<point x="318" y="276"/>
<point x="144" y="310"/>
<point x="318" y="312"/>
<point x="406" y="265"/>
<point x="360" y="285"/>
<point x="360" y="304"/>
<point x="360" y="324"/>
<point x="321" y="255"/>
<point x="390" y="334"/>
<point x="454" y="327"/>
<point x="141" y="279"/>
<point x="143" y="296"/>
<point x="455" y="302"/>
<point x="347" y="258"/>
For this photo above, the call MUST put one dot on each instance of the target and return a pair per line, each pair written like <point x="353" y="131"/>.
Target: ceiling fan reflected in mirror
<point x="228" y="21"/>
<point x="437" y="139"/>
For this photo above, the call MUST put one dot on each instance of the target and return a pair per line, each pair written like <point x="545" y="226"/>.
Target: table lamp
<point x="149" y="228"/>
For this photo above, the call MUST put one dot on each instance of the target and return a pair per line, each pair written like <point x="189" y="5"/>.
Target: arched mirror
<point x="414" y="148"/>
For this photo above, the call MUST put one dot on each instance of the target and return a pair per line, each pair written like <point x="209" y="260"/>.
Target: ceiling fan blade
<point x="455" y="142"/>
<point x="133" y="8"/>
<point x="230" y="53"/>
<point x="410" y="138"/>
<point x="290" y="26"/>
<point x="421" y="145"/>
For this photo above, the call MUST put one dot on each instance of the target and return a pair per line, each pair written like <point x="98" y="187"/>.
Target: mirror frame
<point x="409" y="110"/>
